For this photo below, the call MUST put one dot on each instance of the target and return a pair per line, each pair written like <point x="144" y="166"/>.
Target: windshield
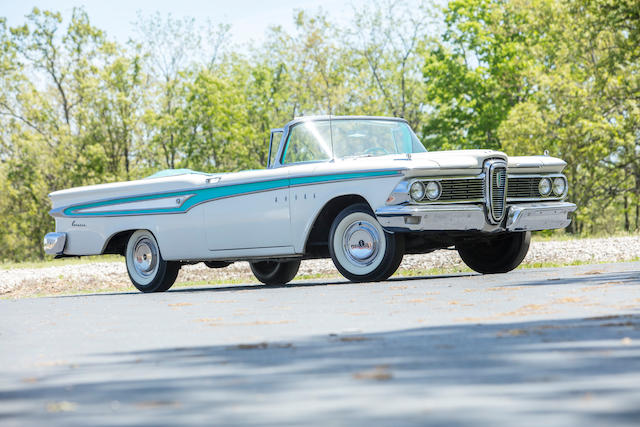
<point x="316" y="140"/>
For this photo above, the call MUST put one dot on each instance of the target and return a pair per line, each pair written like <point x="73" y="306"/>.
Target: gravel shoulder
<point x="112" y="276"/>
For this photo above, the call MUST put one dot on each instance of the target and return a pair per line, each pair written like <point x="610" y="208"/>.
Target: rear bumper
<point x="519" y="217"/>
<point x="54" y="243"/>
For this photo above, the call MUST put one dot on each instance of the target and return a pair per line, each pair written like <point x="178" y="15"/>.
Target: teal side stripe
<point x="200" y="195"/>
<point x="339" y="177"/>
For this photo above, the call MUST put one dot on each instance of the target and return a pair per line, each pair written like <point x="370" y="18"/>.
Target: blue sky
<point x="249" y="18"/>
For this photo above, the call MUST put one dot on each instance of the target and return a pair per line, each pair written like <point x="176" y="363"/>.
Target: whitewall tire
<point x="148" y="271"/>
<point x="361" y="249"/>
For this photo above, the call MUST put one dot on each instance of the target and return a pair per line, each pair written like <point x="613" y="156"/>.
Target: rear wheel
<point x="275" y="272"/>
<point x="360" y="248"/>
<point x="148" y="271"/>
<point x="495" y="254"/>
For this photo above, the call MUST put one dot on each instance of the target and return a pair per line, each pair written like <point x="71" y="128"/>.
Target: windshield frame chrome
<point x="271" y="141"/>
<point x="279" y="159"/>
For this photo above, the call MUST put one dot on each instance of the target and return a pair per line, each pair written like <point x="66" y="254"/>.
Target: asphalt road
<point x="533" y="347"/>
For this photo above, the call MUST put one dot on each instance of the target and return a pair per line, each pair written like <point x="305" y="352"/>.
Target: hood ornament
<point x="546" y="153"/>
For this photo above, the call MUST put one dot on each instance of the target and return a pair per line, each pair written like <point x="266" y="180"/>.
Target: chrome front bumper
<point x="54" y="243"/>
<point x="519" y="217"/>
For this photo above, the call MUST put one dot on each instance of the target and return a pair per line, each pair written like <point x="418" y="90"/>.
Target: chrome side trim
<point x="54" y="243"/>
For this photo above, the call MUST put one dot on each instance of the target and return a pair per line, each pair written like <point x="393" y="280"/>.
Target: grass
<point x="50" y="262"/>
<point x="562" y="236"/>
<point x="567" y="264"/>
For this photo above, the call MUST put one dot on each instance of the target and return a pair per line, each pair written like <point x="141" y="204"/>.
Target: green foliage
<point x="475" y="74"/>
<point x="526" y="76"/>
<point x="583" y="107"/>
<point x="522" y="76"/>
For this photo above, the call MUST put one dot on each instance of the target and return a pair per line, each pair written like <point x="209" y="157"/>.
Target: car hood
<point x="454" y="162"/>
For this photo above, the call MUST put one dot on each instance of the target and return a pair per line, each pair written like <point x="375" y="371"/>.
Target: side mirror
<point x="276" y="135"/>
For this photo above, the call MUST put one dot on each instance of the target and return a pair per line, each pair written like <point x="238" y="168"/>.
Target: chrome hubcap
<point x="361" y="243"/>
<point x="145" y="257"/>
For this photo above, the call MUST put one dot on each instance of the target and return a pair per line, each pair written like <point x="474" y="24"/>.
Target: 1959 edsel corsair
<point x="361" y="190"/>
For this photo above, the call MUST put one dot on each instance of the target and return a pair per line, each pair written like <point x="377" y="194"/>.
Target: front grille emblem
<point x="496" y="189"/>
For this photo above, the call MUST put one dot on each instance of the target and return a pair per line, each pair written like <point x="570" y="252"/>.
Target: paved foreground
<point x="533" y="347"/>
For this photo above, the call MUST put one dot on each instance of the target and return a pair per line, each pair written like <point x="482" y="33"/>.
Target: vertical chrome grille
<point x="498" y="187"/>
<point x="496" y="175"/>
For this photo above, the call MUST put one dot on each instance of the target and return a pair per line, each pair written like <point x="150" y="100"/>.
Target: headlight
<point x="544" y="187"/>
<point x="417" y="191"/>
<point x="433" y="190"/>
<point x="559" y="186"/>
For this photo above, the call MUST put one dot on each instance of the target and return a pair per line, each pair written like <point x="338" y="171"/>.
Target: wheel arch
<point x="117" y="242"/>
<point x="317" y="238"/>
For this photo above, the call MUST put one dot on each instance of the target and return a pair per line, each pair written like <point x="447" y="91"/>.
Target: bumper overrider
<point x="519" y="217"/>
<point x="54" y="243"/>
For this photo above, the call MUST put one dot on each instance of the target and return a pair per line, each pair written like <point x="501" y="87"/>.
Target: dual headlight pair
<point x="419" y="190"/>
<point x="546" y="186"/>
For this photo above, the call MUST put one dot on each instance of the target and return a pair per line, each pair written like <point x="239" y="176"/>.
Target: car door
<point x="252" y="213"/>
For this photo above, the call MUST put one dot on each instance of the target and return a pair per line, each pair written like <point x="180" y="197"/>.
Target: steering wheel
<point x="376" y="150"/>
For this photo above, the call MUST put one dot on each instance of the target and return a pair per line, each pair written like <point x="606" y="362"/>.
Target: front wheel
<point x="495" y="254"/>
<point x="360" y="248"/>
<point x="274" y="272"/>
<point x="148" y="271"/>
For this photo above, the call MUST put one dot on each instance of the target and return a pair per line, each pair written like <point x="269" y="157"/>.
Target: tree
<point x="584" y="109"/>
<point x="387" y="43"/>
<point x="172" y="48"/>
<point x="474" y="74"/>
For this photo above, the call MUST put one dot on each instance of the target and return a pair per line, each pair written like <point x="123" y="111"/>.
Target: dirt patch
<point x="379" y="373"/>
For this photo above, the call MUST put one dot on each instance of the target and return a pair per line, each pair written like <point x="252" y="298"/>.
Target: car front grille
<point x="523" y="188"/>
<point x="456" y="190"/>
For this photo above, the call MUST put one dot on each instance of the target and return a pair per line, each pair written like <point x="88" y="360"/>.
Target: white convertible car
<point x="361" y="190"/>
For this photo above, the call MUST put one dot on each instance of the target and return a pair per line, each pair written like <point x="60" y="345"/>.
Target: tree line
<point x="521" y="76"/>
